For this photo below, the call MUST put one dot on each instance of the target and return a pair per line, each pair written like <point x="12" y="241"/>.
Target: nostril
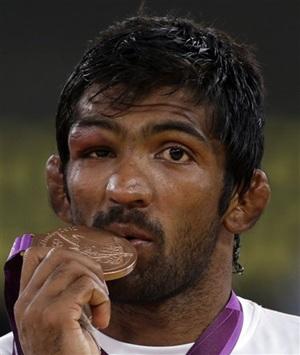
<point x="139" y="202"/>
<point x="129" y="203"/>
<point x="136" y="203"/>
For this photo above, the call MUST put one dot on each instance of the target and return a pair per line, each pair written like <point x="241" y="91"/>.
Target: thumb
<point x="100" y="309"/>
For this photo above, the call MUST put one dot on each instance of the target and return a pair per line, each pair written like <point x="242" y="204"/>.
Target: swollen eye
<point x="101" y="153"/>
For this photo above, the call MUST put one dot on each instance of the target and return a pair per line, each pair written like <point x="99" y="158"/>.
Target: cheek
<point x="192" y="198"/>
<point x="86" y="191"/>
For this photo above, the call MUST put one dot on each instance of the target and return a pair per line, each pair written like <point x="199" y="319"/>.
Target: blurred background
<point x="41" y="41"/>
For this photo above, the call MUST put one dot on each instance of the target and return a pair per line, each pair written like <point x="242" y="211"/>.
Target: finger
<point x="86" y="291"/>
<point x="31" y="259"/>
<point x="64" y="311"/>
<point x="40" y="266"/>
<point x="101" y="315"/>
<point x="59" y="280"/>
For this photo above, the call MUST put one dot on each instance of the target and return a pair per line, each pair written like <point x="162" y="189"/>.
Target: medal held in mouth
<point x="115" y="254"/>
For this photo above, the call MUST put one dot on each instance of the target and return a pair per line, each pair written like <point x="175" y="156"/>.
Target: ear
<point x="244" y="210"/>
<point x="56" y="189"/>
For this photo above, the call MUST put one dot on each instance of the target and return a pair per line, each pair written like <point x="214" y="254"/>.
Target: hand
<point x="55" y="285"/>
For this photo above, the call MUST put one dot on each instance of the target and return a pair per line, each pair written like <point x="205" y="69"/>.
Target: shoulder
<point x="267" y="332"/>
<point x="6" y="344"/>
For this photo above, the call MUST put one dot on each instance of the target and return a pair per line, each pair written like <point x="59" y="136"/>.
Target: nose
<point x="129" y="186"/>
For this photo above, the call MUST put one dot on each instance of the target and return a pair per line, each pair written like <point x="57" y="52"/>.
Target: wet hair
<point x="143" y="54"/>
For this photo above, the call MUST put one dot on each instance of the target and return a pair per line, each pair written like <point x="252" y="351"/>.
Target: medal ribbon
<point x="12" y="273"/>
<point x="222" y="334"/>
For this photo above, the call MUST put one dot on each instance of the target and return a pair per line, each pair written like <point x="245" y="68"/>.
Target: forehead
<point x="161" y="102"/>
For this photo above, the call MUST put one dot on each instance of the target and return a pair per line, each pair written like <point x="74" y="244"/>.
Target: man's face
<point x="151" y="174"/>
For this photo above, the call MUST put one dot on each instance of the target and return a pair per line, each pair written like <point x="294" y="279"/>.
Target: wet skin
<point x="157" y="158"/>
<point x="157" y="166"/>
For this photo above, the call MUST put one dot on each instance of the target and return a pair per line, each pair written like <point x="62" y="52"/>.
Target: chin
<point x="154" y="284"/>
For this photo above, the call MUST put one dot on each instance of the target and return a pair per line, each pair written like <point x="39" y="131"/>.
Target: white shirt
<point x="264" y="332"/>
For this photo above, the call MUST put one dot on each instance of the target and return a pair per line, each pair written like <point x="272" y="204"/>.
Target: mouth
<point x="132" y="233"/>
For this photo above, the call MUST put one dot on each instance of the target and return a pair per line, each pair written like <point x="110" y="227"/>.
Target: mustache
<point x="120" y="214"/>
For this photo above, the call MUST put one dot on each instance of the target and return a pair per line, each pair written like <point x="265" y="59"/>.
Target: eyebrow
<point x="150" y="129"/>
<point x="101" y="122"/>
<point x="174" y="125"/>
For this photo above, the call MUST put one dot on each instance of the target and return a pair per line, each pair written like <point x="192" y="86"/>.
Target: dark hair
<point x="142" y="54"/>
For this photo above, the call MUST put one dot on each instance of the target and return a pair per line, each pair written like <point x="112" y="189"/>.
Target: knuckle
<point x="59" y="256"/>
<point x="24" y="316"/>
<point x="28" y="253"/>
<point x="62" y="254"/>
<point x="55" y="253"/>
<point x="83" y="286"/>
<point x="67" y="267"/>
<point x="29" y="316"/>
<point x="87" y="281"/>
<point x="58" y="272"/>
<point x="33" y="251"/>
<point x="73" y="265"/>
<point x="18" y="309"/>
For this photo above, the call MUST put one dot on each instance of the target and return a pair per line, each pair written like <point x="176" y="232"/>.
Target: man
<point x="160" y="139"/>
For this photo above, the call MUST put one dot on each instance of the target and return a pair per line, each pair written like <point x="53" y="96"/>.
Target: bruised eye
<point x="176" y="154"/>
<point x="100" y="153"/>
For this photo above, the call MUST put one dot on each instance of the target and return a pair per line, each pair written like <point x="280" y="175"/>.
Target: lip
<point x="130" y="232"/>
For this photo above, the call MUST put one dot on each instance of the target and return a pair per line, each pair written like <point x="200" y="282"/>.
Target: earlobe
<point x="56" y="189"/>
<point x="244" y="210"/>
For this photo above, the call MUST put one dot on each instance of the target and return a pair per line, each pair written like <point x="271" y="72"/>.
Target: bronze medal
<point x="116" y="255"/>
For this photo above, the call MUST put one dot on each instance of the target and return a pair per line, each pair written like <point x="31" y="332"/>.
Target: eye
<point x="103" y="152"/>
<point x="175" y="154"/>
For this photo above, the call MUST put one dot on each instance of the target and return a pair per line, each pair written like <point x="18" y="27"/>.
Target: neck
<point x="182" y="318"/>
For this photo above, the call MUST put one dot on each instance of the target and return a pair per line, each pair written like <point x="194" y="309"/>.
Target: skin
<point x="175" y="178"/>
